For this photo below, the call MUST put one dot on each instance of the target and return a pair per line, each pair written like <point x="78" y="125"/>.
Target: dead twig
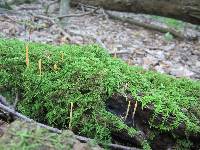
<point x="120" y="52"/>
<point x="86" y="6"/>
<point x="16" y="100"/>
<point x="92" y="37"/>
<point x="53" y="22"/>
<point x="55" y="130"/>
<point x="47" y="7"/>
<point x="11" y="19"/>
<point x="78" y="15"/>
<point x="3" y="101"/>
<point x="98" y="40"/>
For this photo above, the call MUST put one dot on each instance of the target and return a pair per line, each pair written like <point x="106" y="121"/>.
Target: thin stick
<point x="78" y="15"/>
<point x="98" y="40"/>
<point x="26" y="119"/>
<point x="120" y="52"/>
<point x="70" y="121"/>
<point x="16" y="99"/>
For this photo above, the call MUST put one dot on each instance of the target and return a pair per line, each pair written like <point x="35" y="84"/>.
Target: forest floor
<point x="150" y="49"/>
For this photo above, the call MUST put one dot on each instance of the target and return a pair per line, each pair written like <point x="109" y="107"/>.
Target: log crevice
<point x="118" y="104"/>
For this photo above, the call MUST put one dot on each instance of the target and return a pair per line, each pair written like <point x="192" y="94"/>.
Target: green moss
<point x="87" y="76"/>
<point x="177" y="24"/>
<point x="27" y="136"/>
<point x="146" y="145"/>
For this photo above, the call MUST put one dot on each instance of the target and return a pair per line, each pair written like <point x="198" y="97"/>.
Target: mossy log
<point x="100" y="97"/>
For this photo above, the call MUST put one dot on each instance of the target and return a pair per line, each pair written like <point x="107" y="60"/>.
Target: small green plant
<point x="168" y="36"/>
<point x="177" y="24"/>
<point x="146" y="146"/>
<point x="27" y="136"/>
<point x="182" y="144"/>
<point x="174" y="23"/>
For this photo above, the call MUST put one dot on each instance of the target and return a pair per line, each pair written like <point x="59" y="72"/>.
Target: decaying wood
<point x="117" y="104"/>
<point x="5" y="107"/>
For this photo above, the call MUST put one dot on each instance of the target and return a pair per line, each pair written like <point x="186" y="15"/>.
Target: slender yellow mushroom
<point x="40" y="66"/>
<point x="70" y="119"/>
<point x="27" y="56"/>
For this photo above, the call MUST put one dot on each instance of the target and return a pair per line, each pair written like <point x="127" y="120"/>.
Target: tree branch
<point x="78" y="15"/>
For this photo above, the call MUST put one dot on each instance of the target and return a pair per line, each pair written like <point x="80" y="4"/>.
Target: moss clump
<point x="86" y="76"/>
<point x="28" y="136"/>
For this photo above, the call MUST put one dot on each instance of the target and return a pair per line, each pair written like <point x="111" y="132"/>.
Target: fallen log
<point x="185" y="10"/>
<point x="179" y="34"/>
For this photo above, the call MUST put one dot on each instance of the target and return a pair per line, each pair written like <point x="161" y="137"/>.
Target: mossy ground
<point x="28" y="136"/>
<point x="86" y="76"/>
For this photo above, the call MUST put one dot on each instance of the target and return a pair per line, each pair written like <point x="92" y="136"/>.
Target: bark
<point x="185" y="10"/>
<point x="64" y="9"/>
